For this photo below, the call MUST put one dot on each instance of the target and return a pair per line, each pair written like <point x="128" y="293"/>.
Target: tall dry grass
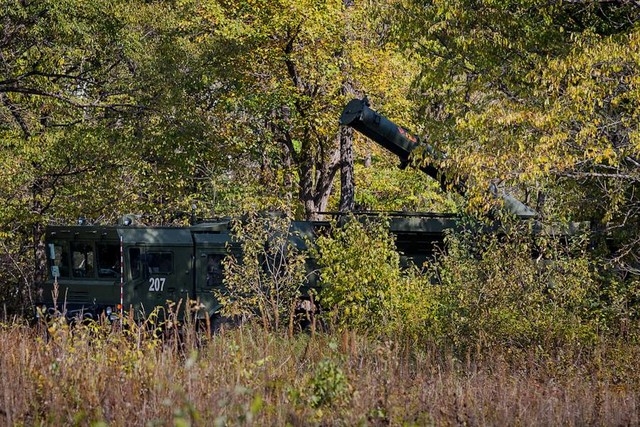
<point x="245" y="376"/>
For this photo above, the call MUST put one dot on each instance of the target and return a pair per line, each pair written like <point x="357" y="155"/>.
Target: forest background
<point x="160" y="108"/>
<point x="154" y="108"/>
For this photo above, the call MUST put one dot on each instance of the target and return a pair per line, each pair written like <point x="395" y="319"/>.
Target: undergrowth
<point x="500" y="330"/>
<point x="100" y="374"/>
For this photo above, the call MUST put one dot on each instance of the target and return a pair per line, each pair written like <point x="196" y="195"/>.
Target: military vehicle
<point x="98" y="270"/>
<point x="95" y="269"/>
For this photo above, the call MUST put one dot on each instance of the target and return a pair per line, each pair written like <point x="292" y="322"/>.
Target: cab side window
<point x="82" y="259"/>
<point x="160" y="262"/>
<point x="135" y="261"/>
<point x="60" y="260"/>
<point x="108" y="260"/>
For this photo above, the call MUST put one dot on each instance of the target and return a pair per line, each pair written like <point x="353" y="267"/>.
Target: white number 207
<point x="156" y="284"/>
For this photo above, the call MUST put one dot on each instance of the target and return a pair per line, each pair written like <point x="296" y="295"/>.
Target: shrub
<point x="362" y="284"/>
<point x="329" y="385"/>
<point x="264" y="281"/>
<point x="514" y="289"/>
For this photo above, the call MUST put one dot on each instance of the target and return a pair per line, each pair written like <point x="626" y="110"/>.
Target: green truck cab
<point x="96" y="270"/>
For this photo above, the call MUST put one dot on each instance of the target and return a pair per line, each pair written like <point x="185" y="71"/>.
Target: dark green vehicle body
<point x="177" y="264"/>
<point x="96" y="270"/>
<point x="100" y="269"/>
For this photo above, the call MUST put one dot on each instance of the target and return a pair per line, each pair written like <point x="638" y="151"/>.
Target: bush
<point x="363" y="286"/>
<point x="264" y="281"/>
<point x="515" y="290"/>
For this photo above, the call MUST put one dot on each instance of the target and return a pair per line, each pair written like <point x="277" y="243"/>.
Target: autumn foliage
<point x="168" y="109"/>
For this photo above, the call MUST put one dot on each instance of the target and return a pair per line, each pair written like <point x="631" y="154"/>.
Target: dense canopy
<point x="160" y="107"/>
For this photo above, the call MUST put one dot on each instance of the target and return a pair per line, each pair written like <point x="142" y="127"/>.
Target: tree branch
<point x="16" y="115"/>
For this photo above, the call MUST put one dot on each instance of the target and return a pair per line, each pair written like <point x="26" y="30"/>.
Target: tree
<point x="281" y="72"/>
<point x="58" y="61"/>
<point x="74" y="99"/>
<point x="539" y="97"/>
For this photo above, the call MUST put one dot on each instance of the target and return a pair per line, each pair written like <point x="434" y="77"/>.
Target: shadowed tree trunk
<point x="347" y="181"/>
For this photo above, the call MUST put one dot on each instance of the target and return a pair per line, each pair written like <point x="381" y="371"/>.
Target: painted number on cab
<point x="156" y="284"/>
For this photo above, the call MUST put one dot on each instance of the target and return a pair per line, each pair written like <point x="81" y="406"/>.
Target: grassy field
<point x="244" y="376"/>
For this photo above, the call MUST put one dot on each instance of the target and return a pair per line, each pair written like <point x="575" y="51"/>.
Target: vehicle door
<point x="209" y="279"/>
<point x="153" y="280"/>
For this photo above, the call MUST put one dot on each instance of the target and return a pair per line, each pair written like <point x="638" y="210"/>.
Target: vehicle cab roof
<point x="173" y="236"/>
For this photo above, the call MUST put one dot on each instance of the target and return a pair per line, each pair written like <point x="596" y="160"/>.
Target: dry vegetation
<point x="94" y="375"/>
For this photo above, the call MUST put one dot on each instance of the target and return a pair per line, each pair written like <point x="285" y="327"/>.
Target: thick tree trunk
<point x="347" y="179"/>
<point x="39" y="250"/>
<point x="287" y="177"/>
<point x="307" y="190"/>
<point x="316" y="182"/>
